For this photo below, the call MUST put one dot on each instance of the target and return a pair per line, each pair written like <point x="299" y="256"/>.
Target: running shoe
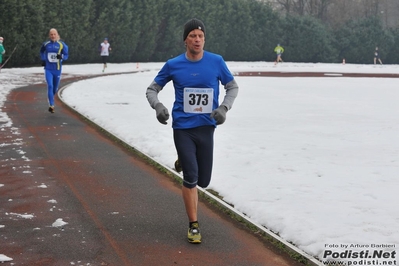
<point x="51" y="109"/>
<point x="178" y="167"/>
<point x="193" y="234"/>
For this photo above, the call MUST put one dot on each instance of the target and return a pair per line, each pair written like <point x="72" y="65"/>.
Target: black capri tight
<point x="195" y="151"/>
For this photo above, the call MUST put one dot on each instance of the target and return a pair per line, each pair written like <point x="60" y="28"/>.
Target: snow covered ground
<point x="315" y="160"/>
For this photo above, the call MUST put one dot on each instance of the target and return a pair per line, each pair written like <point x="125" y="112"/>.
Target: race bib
<point x="198" y="100"/>
<point x="52" y="57"/>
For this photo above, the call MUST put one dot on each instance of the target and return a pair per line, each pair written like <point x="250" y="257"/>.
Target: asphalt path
<point x="72" y="195"/>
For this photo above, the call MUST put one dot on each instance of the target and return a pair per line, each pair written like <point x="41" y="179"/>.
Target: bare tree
<point x="318" y="8"/>
<point x="338" y="12"/>
<point x="285" y="5"/>
<point x="371" y="7"/>
<point x="300" y="7"/>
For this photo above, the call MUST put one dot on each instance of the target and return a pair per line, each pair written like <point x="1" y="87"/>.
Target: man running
<point x="377" y="56"/>
<point x="105" y="47"/>
<point x="279" y="50"/>
<point x="196" y="75"/>
<point x="52" y="53"/>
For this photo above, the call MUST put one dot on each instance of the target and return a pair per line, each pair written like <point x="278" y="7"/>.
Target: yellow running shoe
<point x="193" y="234"/>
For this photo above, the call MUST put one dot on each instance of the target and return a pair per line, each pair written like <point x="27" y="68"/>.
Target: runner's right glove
<point x="162" y="113"/>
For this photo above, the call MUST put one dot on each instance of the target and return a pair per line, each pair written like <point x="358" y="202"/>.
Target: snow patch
<point x="58" y="223"/>
<point x="24" y="216"/>
<point x="4" y="258"/>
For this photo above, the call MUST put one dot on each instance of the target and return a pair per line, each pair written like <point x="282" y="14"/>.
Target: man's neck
<point x="194" y="57"/>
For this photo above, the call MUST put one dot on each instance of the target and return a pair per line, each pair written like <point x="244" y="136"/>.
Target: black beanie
<point x="192" y="24"/>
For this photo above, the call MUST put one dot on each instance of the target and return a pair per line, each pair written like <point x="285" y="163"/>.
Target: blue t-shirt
<point x="195" y="83"/>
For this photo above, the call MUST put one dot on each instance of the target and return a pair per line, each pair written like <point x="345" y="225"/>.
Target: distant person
<point x="196" y="76"/>
<point x="53" y="53"/>
<point x="377" y="56"/>
<point x="105" y="48"/>
<point x="2" y="50"/>
<point x="279" y="51"/>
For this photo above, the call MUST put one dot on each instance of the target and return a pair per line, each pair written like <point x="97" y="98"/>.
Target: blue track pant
<point x="53" y="78"/>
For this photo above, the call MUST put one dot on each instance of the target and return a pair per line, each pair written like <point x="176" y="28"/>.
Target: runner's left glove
<point x="219" y="114"/>
<point x="59" y="56"/>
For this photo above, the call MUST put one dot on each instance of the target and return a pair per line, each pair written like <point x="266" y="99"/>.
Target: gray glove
<point x="219" y="114"/>
<point x="162" y="113"/>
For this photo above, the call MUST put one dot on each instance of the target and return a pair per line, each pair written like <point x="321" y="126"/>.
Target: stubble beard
<point x="195" y="52"/>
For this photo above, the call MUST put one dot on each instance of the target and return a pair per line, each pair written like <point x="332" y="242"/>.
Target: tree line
<point x="151" y="31"/>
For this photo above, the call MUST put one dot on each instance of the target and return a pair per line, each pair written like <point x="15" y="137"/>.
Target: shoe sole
<point x="194" y="241"/>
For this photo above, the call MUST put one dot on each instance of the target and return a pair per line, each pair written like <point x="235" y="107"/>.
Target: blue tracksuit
<point x="53" y="66"/>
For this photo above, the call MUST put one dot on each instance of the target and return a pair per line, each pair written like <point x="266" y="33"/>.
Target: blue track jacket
<point x="49" y="51"/>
